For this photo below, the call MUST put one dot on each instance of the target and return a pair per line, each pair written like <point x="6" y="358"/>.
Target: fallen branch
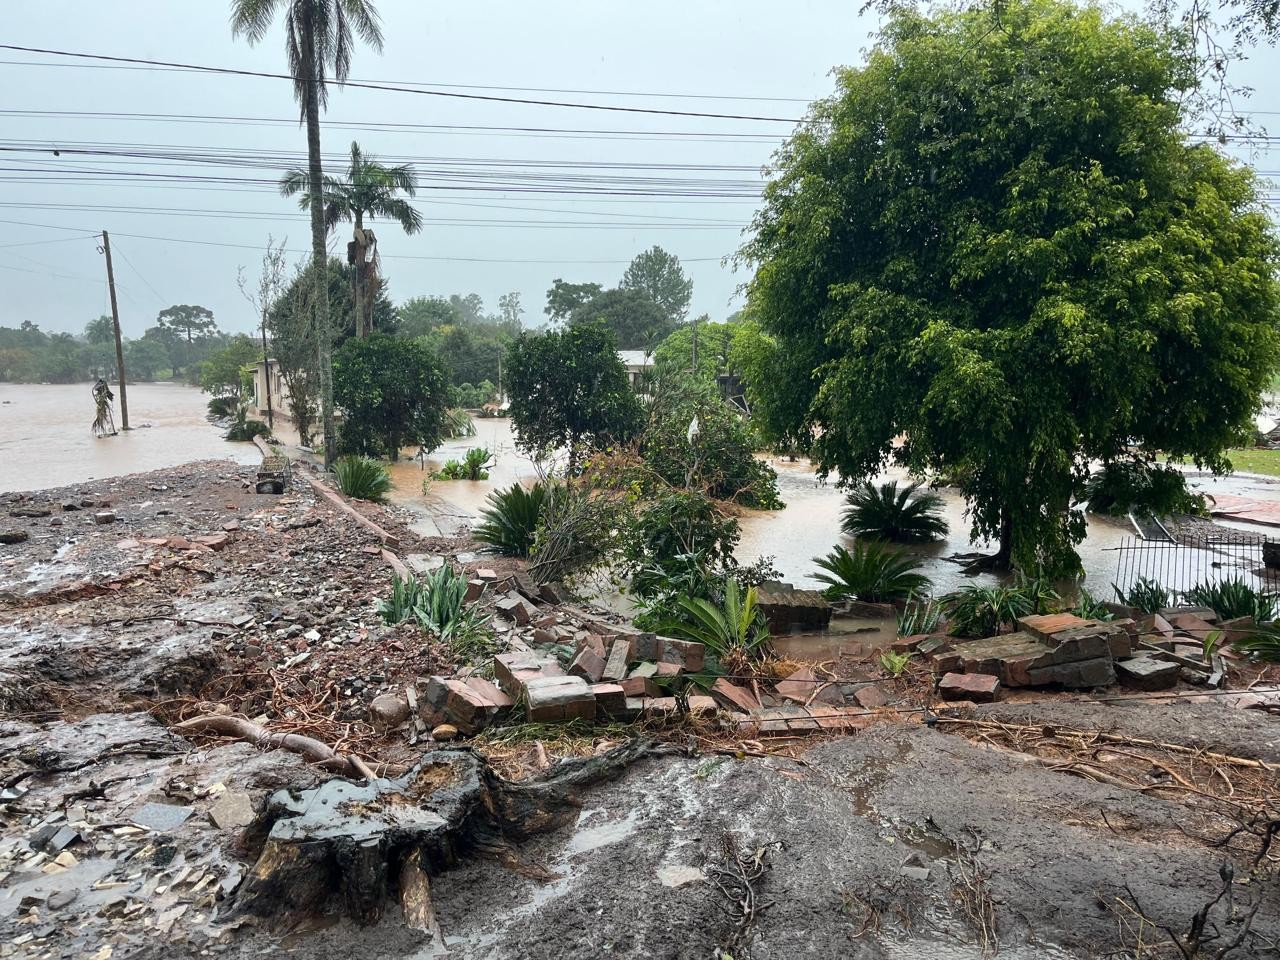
<point x="313" y="751"/>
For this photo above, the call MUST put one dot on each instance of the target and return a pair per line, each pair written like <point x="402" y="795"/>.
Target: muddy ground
<point x="909" y="839"/>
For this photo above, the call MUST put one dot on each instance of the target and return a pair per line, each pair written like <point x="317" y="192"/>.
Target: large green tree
<point x="392" y="393"/>
<point x="660" y="277"/>
<point x="418" y="316"/>
<point x="1000" y="244"/>
<point x="369" y="189"/>
<point x="564" y="298"/>
<point x="319" y="36"/>
<point x="636" y="321"/>
<point x="222" y="374"/>
<point x="569" y="390"/>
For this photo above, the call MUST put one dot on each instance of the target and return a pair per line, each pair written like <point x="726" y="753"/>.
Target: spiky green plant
<point x="362" y="478"/>
<point x="919" y="616"/>
<point x="1233" y="598"/>
<point x="1262" y="642"/>
<point x="437" y="602"/>
<point x="1145" y="595"/>
<point x="474" y="466"/>
<point x="510" y="523"/>
<point x="873" y="572"/>
<point x="736" y="625"/>
<point x="1039" y="592"/>
<point x="899" y="516"/>
<point x="403" y="601"/>
<point x="457" y="423"/>
<point x="981" y="611"/>
<point x="1089" y="607"/>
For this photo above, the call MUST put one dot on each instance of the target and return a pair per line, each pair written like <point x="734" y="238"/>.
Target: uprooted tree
<point x="1000" y="244"/>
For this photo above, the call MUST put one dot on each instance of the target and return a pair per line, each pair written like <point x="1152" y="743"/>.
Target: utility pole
<point x="266" y="371"/>
<point x="115" y="319"/>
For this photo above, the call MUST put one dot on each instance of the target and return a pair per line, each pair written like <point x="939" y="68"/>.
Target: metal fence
<point x="1190" y="559"/>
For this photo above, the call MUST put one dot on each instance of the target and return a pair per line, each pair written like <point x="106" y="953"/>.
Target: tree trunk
<point x="319" y="257"/>
<point x="357" y="275"/>
<point x="1003" y="559"/>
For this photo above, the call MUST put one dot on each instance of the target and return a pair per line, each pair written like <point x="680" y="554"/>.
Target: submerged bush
<point x="897" y="515"/>
<point x="872" y="572"/>
<point x="223" y="406"/>
<point x="244" y="430"/>
<point x="510" y="522"/>
<point x="362" y="478"/>
<point x="457" y="423"/>
<point x="1124" y="486"/>
<point x="474" y="466"/>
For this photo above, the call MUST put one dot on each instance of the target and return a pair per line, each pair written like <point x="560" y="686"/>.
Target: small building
<point x="638" y="366"/>
<point x="269" y="373"/>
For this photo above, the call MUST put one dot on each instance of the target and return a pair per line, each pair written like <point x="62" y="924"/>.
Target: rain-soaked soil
<point x="904" y="841"/>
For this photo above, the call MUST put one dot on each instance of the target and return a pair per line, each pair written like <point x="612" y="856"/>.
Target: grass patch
<point x="1256" y="461"/>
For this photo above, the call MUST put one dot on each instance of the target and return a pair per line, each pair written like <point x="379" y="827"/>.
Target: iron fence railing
<point x="1199" y="557"/>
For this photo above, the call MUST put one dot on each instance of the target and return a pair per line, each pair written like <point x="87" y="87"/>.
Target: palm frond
<point x="897" y="515"/>
<point x="872" y="572"/>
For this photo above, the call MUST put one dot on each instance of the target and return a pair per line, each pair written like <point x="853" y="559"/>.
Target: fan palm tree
<point x="319" y="36"/>
<point x="369" y="189"/>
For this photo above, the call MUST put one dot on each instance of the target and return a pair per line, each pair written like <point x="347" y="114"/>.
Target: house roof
<point x="633" y="358"/>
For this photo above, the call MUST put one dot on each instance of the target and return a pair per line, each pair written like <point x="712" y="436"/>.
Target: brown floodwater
<point x="45" y="439"/>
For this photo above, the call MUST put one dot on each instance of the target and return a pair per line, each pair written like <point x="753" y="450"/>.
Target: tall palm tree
<point x="370" y="190"/>
<point x="318" y="40"/>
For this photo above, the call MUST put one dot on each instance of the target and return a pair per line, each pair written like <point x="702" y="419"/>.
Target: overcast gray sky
<point x="504" y="208"/>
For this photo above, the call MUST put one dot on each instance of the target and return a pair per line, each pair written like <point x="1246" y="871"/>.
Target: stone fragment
<point x="468" y="709"/>
<point x="615" y="665"/>
<point x="104" y="517"/>
<point x="665" y="669"/>
<point x="513" y="608"/>
<point x="553" y="593"/>
<point x="14" y="536"/>
<point x="1044" y="626"/>
<point x="498" y="701"/>
<point x="871" y="697"/>
<point x="232" y="811"/>
<point x="610" y="698"/>
<point x="475" y="590"/>
<point x="559" y="698"/>
<point x="798" y="687"/>
<point x="214" y="541"/>
<point x="700" y="704"/>
<point x="593" y="642"/>
<point x="588" y="665"/>
<point x="541" y="636"/>
<point x="909" y="644"/>
<point x="512" y="670"/>
<point x="978" y="687"/>
<point x="933" y="646"/>
<point x="70" y="505"/>
<point x="640" y="687"/>
<point x="689" y="655"/>
<point x="388" y="711"/>
<point x="1076" y="676"/>
<point x="161" y="816"/>
<point x="1147" y="673"/>
<point x="30" y="513"/>
<point x="444" y="732"/>
<point x="649" y="669"/>
<point x="648" y="646"/>
<point x="733" y="695"/>
<point x="487" y="575"/>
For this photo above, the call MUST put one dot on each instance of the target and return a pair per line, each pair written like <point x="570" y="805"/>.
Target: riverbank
<point x="180" y="593"/>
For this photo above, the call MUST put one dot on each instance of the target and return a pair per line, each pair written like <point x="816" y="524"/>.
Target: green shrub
<point x="1233" y="598"/>
<point x="472" y="396"/>
<point x="457" y="424"/>
<point x="981" y="611"/>
<point x="894" y="664"/>
<point x="223" y="406"/>
<point x="1088" y="607"/>
<point x="437" y="602"/>
<point x="919" y="616"/>
<point x="577" y="533"/>
<point x="1145" y="595"/>
<point x="473" y="466"/>
<point x="669" y="531"/>
<point x="1263" y="642"/>
<point x="1039" y="592"/>
<point x="1124" y="486"/>
<point x="510" y="523"/>
<point x="244" y="430"/>
<point x="898" y="516"/>
<point x="362" y="478"/>
<point x="736" y="625"/>
<point x="872" y="572"/>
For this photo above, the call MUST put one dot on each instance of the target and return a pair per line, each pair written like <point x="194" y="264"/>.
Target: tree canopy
<point x="1000" y="244"/>
<point x="636" y="321"/>
<point x="393" y="393"/>
<point x="563" y="298"/>
<point x="659" y="276"/>
<point x="569" y="390"/>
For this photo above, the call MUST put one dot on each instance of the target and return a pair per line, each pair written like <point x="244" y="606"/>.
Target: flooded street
<point x="45" y="439"/>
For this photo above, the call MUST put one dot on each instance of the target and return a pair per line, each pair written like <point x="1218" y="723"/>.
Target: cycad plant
<point x="898" y="515"/>
<point x="510" y="523"/>
<point x="362" y="478"/>
<point x="736" y="626"/>
<point x="983" y="611"/>
<point x="474" y="466"/>
<point x="872" y="572"/>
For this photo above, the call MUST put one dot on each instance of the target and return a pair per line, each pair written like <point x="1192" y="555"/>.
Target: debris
<point x="978" y="687"/>
<point x="104" y="517"/>
<point x="232" y="811"/>
<point x="1147" y="673"/>
<point x="162" y="817"/>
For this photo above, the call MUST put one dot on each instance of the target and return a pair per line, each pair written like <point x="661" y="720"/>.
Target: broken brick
<point x="615" y="665"/>
<point x="800" y="686"/>
<point x="588" y="665"/>
<point x="689" y="655"/>
<point x="640" y="687"/>
<point x="733" y="695"/>
<point x="610" y="697"/>
<point x="978" y="687"/>
<point x="559" y="698"/>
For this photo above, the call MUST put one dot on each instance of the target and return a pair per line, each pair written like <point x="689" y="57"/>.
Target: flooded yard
<point x="45" y="439"/>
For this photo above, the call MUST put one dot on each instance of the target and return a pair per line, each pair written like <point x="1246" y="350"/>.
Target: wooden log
<point x="415" y="899"/>
<point x="388" y="540"/>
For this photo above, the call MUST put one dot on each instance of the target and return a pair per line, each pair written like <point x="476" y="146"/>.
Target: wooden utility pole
<point x="115" y="319"/>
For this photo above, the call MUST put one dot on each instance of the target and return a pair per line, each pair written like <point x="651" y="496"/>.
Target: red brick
<point x="733" y="695"/>
<point x="702" y="704"/>
<point x="588" y="665"/>
<point x="610" y="697"/>
<point x="979" y="687"/>
<point x="666" y="669"/>
<point x="687" y="654"/>
<point x="871" y="697"/>
<point x="800" y="686"/>
<point x="489" y="690"/>
<point x="615" y="665"/>
<point x="640" y="687"/>
<point x="1045" y="626"/>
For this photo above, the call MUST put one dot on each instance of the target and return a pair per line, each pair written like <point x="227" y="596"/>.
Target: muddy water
<point x="45" y="439"/>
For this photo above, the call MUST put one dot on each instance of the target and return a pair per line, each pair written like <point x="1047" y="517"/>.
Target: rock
<point x="233" y="810"/>
<point x="915" y="867"/>
<point x="799" y="687"/>
<point x="104" y="517"/>
<point x="161" y="817"/>
<point x="69" y="506"/>
<point x="1147" y="673"/>
<point x="871" y="697"/>
<point x="62" y="898"/>
<point x="445" y="732"/>
<point x="30" y="513"/>
<point x="978" y="687"/>
<point x="14" y="536"/>
<point x="388" y="711"/>
<point x="733" y="695"/>
<point x="1087" y="673"/>
<point x="214" y="541"/>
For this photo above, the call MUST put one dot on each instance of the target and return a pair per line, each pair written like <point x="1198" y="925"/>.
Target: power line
<point x="138" y="274"/>
<point x="394" y="88"/>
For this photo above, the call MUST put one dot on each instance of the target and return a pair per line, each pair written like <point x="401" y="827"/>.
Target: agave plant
<point x="362" y="478"/>
<point x="510" y="523"/>
<point x="899" y="516"/>
<point x="873" y="572"/>
<point x="982" y="611"/>
<point x="1145" y="595"/>
<point x="1233" y="598"/>
<point x="736" y="626"/>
